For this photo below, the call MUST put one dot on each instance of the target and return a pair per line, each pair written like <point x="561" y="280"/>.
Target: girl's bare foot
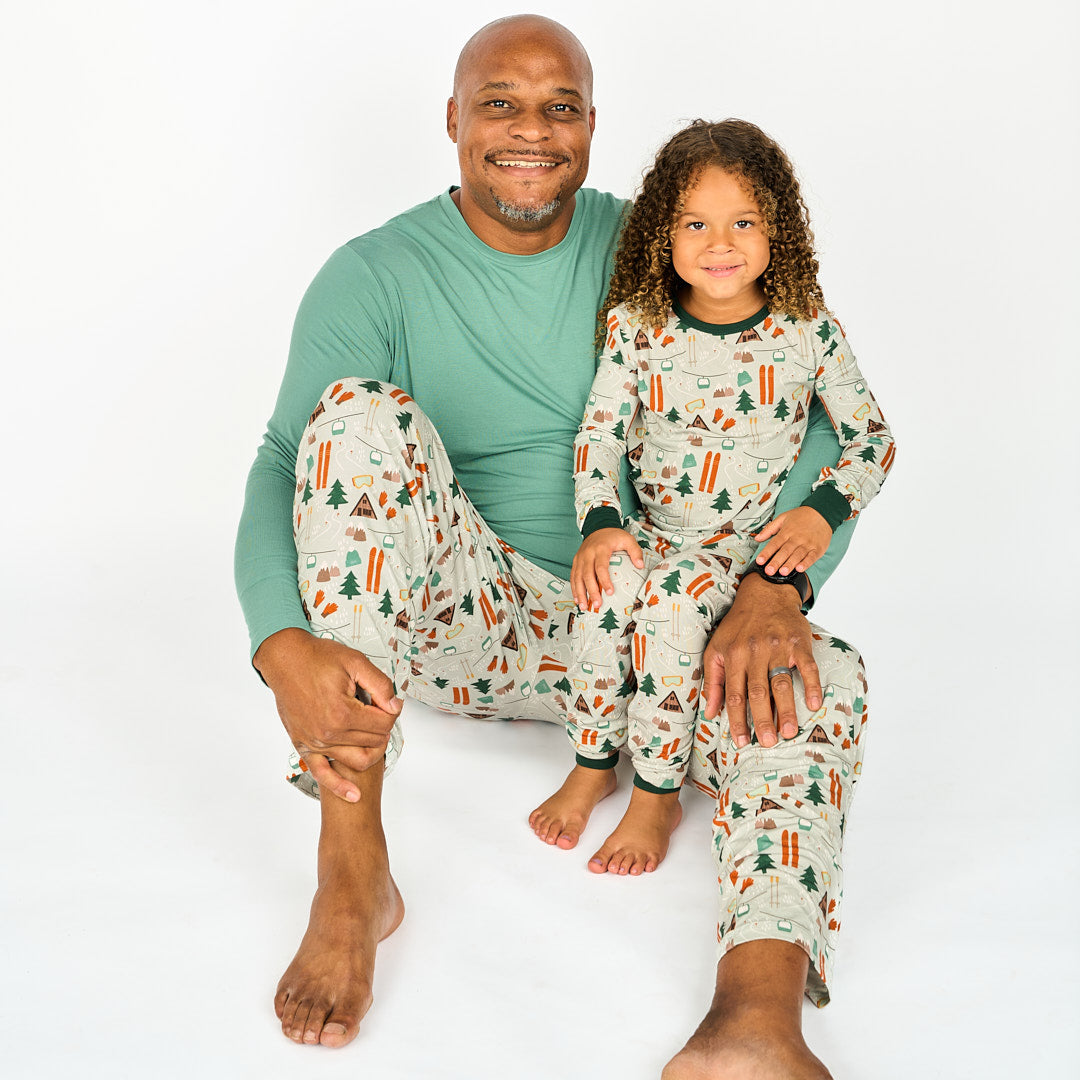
<point x="562" y="818"/>
<point x="640" y="841"/>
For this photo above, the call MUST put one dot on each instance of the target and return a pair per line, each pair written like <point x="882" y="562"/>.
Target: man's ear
<point x="451" y="119"/>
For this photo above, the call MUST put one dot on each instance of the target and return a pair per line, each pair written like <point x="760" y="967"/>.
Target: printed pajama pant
<point x="394" y="560"/>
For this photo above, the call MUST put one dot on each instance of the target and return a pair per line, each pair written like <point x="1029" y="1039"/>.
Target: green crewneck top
<point x="497" y="349"/>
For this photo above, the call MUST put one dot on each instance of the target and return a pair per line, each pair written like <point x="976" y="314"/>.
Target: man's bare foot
<point x="640" y="841"/>
<point x="562" y="818"/>
<point x="753" y="1030"/>
<point x="743" y="1045"/>
<point x="326" y="990"/>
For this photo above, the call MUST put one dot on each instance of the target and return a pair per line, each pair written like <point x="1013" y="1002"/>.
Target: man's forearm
<point x="265" y="555"/>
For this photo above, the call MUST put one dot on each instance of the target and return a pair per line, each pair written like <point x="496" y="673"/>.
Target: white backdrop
<point x="173" y="177"/>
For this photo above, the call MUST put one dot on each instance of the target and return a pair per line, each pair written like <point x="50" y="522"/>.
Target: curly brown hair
<point x="644" y="278"/>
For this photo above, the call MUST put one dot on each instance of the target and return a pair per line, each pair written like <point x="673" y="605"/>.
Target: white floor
<point x="158" y="870"/>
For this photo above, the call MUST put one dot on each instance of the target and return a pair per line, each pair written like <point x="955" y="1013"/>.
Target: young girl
<point x="714" y="343"/>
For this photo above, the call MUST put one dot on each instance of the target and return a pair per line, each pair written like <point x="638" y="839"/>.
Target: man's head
<point x="522" y="119"/>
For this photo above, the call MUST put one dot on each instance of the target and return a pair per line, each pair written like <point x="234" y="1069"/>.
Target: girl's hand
<point x="799" y="538"/>
<point x="590" y="577"/>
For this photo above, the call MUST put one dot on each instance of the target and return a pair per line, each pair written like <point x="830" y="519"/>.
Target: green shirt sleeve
<point x="340" y="330"/>
<point x="820" y="448"/>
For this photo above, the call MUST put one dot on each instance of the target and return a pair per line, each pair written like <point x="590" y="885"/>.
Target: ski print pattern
<point x="394" y="560"/>
<point x="712" y="422"/>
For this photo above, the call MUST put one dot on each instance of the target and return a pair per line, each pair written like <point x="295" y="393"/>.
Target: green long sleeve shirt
<point x="496" y="348"/>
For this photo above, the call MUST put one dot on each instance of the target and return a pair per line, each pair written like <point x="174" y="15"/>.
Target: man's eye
<point x="497" y="103"/>
<point x="563" y="106"/>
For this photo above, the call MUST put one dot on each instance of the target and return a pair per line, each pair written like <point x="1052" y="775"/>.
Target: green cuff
<point x="829" y="503"/>
<point x="601" y="517"/>
<point x="646" y="786"/>
<point x="597" y="763"/>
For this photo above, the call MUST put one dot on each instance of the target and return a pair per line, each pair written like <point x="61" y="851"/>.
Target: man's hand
<point x="590" y="577"/>
<point x="764" y="629"/>
<point x="317" y="683"/>
<point x="799" y="538"/>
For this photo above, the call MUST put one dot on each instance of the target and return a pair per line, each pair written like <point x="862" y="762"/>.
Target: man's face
<point x="522" y="120"/>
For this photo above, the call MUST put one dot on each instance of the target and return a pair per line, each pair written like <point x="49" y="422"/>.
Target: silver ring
<point x="774" y="671"/>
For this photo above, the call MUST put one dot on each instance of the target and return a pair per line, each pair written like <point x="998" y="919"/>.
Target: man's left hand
<point x="764" y="629"/>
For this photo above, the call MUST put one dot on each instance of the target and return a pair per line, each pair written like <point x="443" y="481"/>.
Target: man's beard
<point x="533" y="215"/>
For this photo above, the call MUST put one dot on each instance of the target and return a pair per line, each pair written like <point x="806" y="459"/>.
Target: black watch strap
<point x="798" y="579"/>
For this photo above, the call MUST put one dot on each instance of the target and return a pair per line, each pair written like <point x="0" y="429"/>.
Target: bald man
<point x="409" y="526"/>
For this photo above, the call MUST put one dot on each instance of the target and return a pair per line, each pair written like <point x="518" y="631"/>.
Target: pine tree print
<point x="685" y="485"/>
<point x="402" y="498"/>
<point x="372" y="386"/>
<point x="609" y="622"/>
<point x="386" y="605"/>
<point x="737" y="810"/>
<point x="308" y="493"/>
<point x="722" y="501"/>
<point x="648" y="687"/>
<point x="813" y="794"/>
<point x="404" y="420"/>
<point x="847" y="433"/>
<point x="745" y="405"/>
<point x="337" y="495"/>
<point x="673" y="415"/>
<point x="782" y="410"/>
<point x="564" y="685"/>
<point x="467" y="603"/>
<point x="482" y="685"/>
<point x="620" y="431"/>
<point x="350" y="587"/>
<point x="868" y="454"/>
<point x="670" y="584"/>
<point x="809" y="880"/>
<point x="764" y="862"/>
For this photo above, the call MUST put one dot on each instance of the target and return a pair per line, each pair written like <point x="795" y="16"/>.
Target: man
<point x="469" y="321"/>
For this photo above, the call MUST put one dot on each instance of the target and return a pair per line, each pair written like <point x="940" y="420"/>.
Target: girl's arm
<point x="867" y="449"/>
<point x="611" y="412"/>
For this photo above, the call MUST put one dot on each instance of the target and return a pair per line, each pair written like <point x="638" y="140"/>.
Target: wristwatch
<point x="798" y="578"/>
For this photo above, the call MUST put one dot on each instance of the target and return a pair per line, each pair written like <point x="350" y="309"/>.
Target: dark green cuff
<point x="597" y="763"/>
<point x="830" y="504"/>
<point x="601" y="517"/>
<point x="646" y="786"/>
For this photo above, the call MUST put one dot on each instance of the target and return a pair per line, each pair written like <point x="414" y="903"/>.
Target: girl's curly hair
<point x="644" y="278"/>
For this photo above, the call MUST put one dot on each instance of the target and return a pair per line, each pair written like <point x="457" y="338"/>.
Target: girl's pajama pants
<point x="394" y="560"/>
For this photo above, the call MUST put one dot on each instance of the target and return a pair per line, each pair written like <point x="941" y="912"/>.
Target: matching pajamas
<point x="711" y="418"/>
<point x="394" y="560"/>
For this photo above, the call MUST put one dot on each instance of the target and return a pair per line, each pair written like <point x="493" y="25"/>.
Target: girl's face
<point x="720" y="248"/>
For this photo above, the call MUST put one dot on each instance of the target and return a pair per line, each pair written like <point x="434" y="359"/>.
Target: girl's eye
<point x="743" y="224"/>
<point x="695" y="226"/>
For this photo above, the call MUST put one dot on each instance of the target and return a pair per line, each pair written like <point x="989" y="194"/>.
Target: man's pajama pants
<point x="395" y="561"/>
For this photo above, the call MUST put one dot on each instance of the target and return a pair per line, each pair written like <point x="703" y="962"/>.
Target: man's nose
<point x="533" y="125"/>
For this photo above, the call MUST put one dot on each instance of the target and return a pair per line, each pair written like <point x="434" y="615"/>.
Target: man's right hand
<point x="317" y="684"/>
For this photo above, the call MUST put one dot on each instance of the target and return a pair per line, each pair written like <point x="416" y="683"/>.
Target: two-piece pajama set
<point x="413" y="499"/>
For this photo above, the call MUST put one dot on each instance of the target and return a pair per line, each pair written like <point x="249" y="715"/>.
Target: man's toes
<point x="313" y="1026"/>
<point x="340" y="1027"/>
<point x="295" y="1018"/>
<point x="280" y="998"/>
